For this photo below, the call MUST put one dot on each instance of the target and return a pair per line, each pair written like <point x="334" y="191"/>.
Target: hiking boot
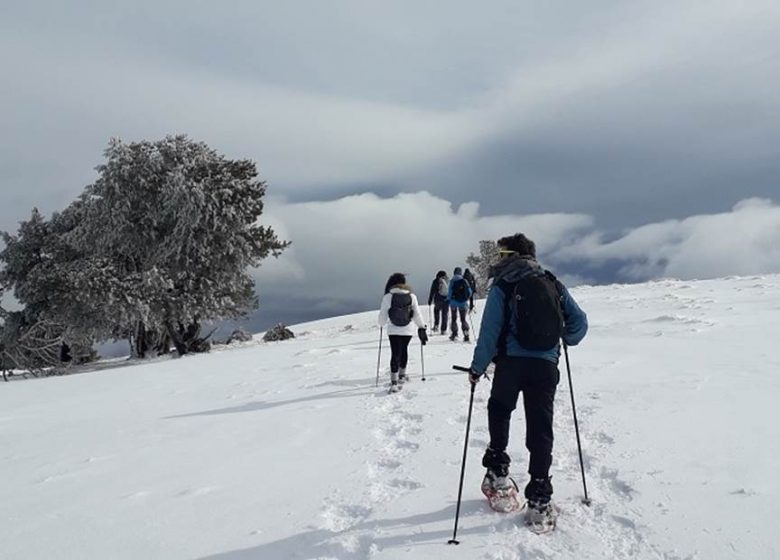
<point x="496" y="460"/>
<point x="443" y="331"/>
<point x="402" y="376"/>
<point x="466" y="338"/>
<point x="538" y="492"/>
<point x="453" y="337"/>
<point x="497" y="479"/>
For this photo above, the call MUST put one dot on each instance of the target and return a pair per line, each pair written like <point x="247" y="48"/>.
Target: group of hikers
<point x="526" y="315"/>
<point x="452" y="297"/>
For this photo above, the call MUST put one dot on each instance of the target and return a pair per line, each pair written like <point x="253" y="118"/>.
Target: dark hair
<point x="441" y="274"/>
<point x="395" y="279"/>
<point x="519" y="243"/>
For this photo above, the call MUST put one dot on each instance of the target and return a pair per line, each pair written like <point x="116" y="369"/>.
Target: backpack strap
<point x="558" y="288"/>
<point x="509" y="291"/>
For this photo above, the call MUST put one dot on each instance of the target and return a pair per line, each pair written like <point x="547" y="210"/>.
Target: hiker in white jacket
<point x="400" y="313"/>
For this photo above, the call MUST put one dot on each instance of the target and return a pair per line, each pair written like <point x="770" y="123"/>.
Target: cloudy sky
<point x="632" y="140"/>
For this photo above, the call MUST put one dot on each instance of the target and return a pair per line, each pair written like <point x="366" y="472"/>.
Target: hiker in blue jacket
<point x="532" y="371"/>
<point x="459" y="295"/>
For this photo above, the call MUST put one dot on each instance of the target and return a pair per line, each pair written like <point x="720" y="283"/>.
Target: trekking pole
<point x="422" y="361"/>
<point x="476" y="333"/>
<point x="379" y="356"/>
<point x="585" y="500"/>
<point x="453" y="540"/>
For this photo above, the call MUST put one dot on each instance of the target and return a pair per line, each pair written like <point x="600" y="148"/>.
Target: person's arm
<point x="489" y="330"/>
<point x="416" y="315"/>
<point x="384" y="307"/>
<point x="434" y="285"/>
<point x="575" y="321"/>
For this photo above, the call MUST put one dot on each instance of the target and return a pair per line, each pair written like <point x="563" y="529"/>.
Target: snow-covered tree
<point x="481" y="264"/>
<point x="162" y="241"/>
<point x="170" y="229"/>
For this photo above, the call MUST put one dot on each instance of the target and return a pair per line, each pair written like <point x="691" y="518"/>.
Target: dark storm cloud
<point x="617" y="113"/>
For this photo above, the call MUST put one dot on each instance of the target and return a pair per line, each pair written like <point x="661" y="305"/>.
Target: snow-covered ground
<point x="288" y="450"/>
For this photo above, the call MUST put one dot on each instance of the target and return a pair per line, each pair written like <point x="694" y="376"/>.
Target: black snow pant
<point x="440" y="311"/>
<point x="462" y="311"/>
<point x="399" y="355"/>
<point x="537" y="379"/>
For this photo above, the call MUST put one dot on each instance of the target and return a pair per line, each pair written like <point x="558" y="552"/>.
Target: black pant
<point x="537" y="379"/>
<point x="398" y="351"/>
<point x="464" y="323"/>
<point x="440" y="309"/>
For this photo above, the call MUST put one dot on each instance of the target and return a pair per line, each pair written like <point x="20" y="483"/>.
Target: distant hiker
<point x="440" y="289"/>
<point x="459" y="294"/>
<point x="469" y="277"/>
<point x="526" y="313"/>
<point x="400" y="312"/>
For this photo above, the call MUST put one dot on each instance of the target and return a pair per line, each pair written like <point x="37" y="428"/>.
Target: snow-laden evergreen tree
<point x="34" y="338"/>
<point x="171" y="231"/>
<point x="481" y="264"/>
<point x="162" y="241"/>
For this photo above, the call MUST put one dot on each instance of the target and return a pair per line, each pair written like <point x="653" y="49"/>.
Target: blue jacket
<point x="461" y="304"/>
<point x="575" y="320"/>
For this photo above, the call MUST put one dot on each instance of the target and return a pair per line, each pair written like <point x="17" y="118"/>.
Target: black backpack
<point x="460" y="290"/>
<point x="535" y="303"/>
<point x="400" y="312"/>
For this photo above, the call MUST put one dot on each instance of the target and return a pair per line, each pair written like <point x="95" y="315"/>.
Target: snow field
<point x="288" y="450"/>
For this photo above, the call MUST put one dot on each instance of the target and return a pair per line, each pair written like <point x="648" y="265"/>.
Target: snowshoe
<point x="394" y="387"/>
<point x="540" y="518"/>
<point x="501" y="492"/>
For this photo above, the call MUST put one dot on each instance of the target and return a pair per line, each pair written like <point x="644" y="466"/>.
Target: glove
<point x="423" y="335"/>
<point x="474" y="376"/>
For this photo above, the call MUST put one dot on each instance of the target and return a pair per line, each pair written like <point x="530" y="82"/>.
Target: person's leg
<point x="541" y="380"/>
<point x="403" y="355"/>
<point x="454" y="322"/>
<point x="464" y="322"/>
<point x="394" y="356"/>
<point x="503" y="400"/>
<point x="444" y="309"/>
<point x="436" y="313"/>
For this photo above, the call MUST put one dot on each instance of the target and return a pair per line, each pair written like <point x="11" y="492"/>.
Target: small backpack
<point x="460" y="290"/>
<point x="536" y="308"/>
<point x="444" y="287"/>
<point x="400" y="312"/>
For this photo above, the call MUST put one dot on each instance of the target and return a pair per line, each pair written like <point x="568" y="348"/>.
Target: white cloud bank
<point x="745" y="240"/>
<point x="344" y="249"/>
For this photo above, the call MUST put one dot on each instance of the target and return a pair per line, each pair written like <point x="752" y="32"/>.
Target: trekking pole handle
<point x="461" y="368"/>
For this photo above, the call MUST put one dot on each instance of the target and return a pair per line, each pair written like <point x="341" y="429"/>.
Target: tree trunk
<point x="176" y="338"/>
<point x="140" y="344"/>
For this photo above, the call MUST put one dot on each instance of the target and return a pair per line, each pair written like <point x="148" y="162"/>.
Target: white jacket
<point x="384" y="318"/>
